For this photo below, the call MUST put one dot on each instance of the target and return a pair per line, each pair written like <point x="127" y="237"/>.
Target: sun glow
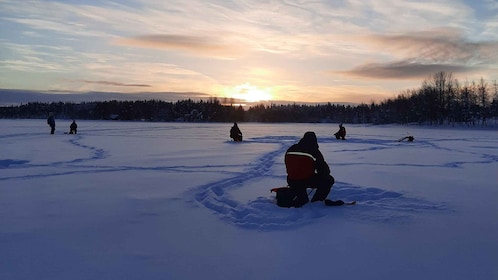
<point x="249" y="93"/>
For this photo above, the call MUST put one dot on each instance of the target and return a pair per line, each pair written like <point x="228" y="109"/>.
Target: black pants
<point x="321" y="182"/>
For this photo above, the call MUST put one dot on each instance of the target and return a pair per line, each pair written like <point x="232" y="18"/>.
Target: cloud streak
<point x="442" y="45"/>
<point x="417" y="54"/>
<point x="108" y="83"/>
<point x="403" y="70"/>
<point x="198" y="45"/>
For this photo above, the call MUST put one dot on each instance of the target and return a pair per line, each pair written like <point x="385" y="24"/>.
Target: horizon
<point x="251" y="52"/>
<point x="17" y="97"/>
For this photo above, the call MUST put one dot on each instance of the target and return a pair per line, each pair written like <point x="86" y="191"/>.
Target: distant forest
<point x="440" y="100"/>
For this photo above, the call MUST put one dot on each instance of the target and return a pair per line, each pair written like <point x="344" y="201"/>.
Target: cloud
<point x="417" y="54"/>
<point x="107" y="83"/>
<point x="199" y="45"/>
<point x="403" y="70"/>
<point x="439" y="45"/>
<point x="160" y="77"/>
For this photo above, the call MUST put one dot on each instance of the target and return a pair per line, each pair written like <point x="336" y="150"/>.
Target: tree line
<point x="441" y="99"/>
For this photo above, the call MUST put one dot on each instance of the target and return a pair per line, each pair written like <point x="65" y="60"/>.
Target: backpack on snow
<point x="286" y="197"/>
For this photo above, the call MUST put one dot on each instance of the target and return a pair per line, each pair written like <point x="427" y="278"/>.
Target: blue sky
<point x="313" y="51"/>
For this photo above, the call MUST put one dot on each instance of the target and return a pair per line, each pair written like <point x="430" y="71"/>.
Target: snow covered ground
<point x="129" y="200"/>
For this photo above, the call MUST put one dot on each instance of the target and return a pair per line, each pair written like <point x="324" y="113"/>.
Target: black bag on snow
<point x="286" y="197"/>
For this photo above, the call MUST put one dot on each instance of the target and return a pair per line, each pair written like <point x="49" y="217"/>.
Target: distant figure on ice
<point x="306" y="168"/>
<point x="235" y="133"/>
<point x="51" y="122"/>
<point x="409" y="138"/>
<point x="73" y="128"/>
<point x="341" y="134"/>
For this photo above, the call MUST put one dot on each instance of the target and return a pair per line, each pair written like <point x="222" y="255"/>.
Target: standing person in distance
<point x="235" y="133"/>
<point x="51" y="122"/>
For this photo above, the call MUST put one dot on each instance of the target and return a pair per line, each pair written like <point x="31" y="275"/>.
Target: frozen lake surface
<point x="132" y="200"/>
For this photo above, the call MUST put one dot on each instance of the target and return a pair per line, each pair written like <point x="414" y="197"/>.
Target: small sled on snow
<point x="408" y="138"/>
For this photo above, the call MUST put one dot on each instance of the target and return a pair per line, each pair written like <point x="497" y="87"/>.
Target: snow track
<point x="262" y="213"/>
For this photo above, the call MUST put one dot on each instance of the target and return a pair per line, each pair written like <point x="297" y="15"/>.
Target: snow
<point x="133" y="200"/>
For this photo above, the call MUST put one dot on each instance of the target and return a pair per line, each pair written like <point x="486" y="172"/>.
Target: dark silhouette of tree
<point x="494" y="104"/>
<point x="441" y="99"/>
<point x="483" y="100"/>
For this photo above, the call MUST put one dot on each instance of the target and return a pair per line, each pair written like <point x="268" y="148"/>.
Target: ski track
<point x="94" y="154"/>
<point x="374" y="204"/>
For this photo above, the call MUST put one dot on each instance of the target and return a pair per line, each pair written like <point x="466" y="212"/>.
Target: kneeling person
<point x="306" y="168"/>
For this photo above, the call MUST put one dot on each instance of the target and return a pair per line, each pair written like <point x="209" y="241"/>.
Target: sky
<point x="300" y="51"/>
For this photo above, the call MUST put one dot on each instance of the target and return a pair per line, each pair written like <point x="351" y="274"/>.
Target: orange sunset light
<point x="248" y="93"/>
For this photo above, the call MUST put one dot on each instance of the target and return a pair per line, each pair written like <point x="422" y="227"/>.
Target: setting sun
<point x="249" y="93"/>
